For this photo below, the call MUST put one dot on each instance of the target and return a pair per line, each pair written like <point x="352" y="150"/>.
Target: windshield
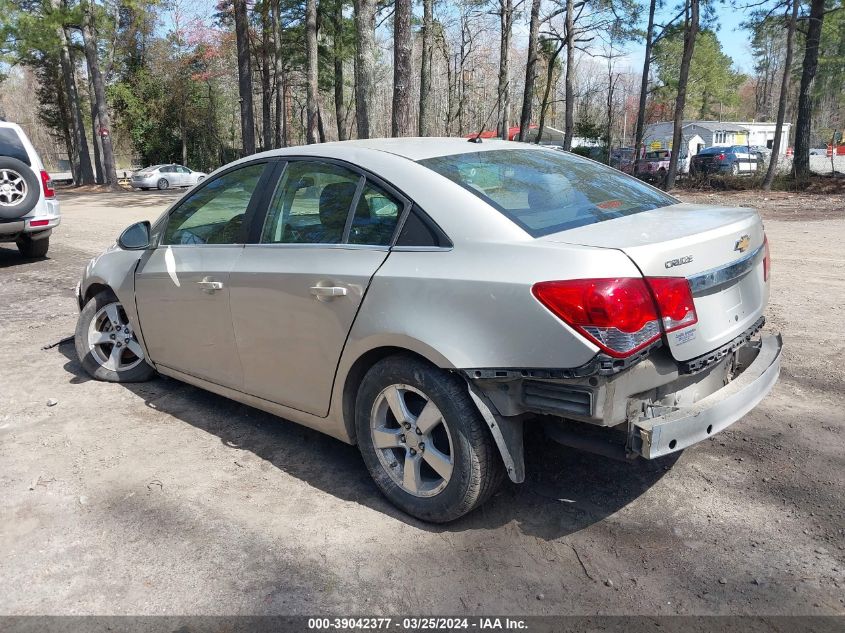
<point x="544" y="191"/>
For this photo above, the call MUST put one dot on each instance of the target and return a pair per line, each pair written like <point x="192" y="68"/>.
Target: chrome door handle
<point x="209" y="285"/>
<point x="328" y="292"/>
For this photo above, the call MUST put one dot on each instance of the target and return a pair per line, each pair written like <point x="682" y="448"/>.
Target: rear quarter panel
<point x="472" y="307"/>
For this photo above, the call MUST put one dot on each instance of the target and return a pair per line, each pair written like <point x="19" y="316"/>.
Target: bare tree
<point x="691" y="20"/>
<point x="426" y="100"/>
<point x="402" y="69"/>
<point x="803" y="125"/>
<point x="103" y="135"/>
<point x="569" y="79"/>
<point x="244" y="77"/>
<point x="649" y="45"/>
<point x="530" y="70"/>
<point x="311" y="95"/>
<point x="337" y="53"/>
<point x="506" y="20"/>
<point x="365" y="62"/>
<point x="266" y="85"/>
<point x="782" y="100"/>
<point x="279" y="138"/>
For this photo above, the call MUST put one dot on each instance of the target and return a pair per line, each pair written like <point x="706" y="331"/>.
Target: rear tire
<point x="453" y="460"/>
<point x="19" y="188"/>
<point x="104" y="319"/>
<point x="33" y="249"/>
<point x="734" y="169"/>
<point x="162" y="184"/>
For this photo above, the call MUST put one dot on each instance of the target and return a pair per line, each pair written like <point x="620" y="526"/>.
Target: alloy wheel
<point x="412" y="440"/>
<point x="111" y="341"/>
<point x="13" y="188"/>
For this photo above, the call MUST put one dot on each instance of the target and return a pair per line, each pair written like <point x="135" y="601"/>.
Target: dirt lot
<point x="161" y="498"/>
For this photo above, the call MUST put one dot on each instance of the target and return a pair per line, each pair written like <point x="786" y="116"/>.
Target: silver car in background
<point x="165" y="177"/>
<point x="426" y="299"/>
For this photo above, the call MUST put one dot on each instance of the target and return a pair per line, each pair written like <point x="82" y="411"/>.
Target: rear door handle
<point x="328" y="292"/>
<point x="209" y="285"/>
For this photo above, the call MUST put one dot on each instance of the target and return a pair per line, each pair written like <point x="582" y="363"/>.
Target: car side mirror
<point x="135" y="237"/>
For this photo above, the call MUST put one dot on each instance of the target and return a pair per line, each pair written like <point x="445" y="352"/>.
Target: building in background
<point x="700" y="134"/>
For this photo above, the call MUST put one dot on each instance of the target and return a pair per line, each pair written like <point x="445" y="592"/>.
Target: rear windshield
<point x="545" y="191"/>
<point x="147" y="170"/>
<point x="713" y="150"/>
<point x="11" y="146"/>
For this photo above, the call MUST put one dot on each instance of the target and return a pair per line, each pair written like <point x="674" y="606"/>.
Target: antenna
<point x="477" y="137"/>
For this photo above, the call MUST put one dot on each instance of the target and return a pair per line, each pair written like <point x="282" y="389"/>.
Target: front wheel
<point x="106" y="344"/>
<point x="423" y="440"/>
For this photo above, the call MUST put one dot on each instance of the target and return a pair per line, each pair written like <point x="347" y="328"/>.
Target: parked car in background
<point x="818" y="151"/>
<point x="733" y="160"/>
<point x="29" y="210"/>
<point x="622" y="158"/>
<point x="654" y="165"/>
<point x="426" y="298"/>
<point x="165" y="177"/>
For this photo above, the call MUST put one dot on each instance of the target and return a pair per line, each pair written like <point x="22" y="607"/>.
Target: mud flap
<point x="506" y="431"/>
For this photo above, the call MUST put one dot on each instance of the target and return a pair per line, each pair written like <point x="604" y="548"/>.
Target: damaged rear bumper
<point x="665" y="430"/>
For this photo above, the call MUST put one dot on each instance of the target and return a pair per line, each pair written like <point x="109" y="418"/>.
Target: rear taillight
<point x="620" y="315"/>
<point x="47" y="185"/>
<point x="720" y="157"/>
<point x="34" y="223"/>
<point x="767" y="259"/>
<point x="674" y="300"/>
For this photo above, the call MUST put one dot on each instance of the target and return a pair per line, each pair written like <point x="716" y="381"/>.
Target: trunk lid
<point x="719" y="250"/>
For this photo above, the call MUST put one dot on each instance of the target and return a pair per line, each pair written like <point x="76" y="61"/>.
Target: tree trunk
<point x="266" y="86"/>
<point x="89" y="38"/>
<point x="530" y="71"/>
<point x="278" y="73"/>
<point x="244" y="78"/>
<point x="569" y="81"/>
<point x="83" y="174"/>
<point x="311" y="105"/>
<point x="339" y="101"/>
<point x="649" y="44"/>
<point x="365" y="63"/>
<point x="690" y="33"/>
<point x="803" y="126"/>
<point x="550" y="74"/>
<point x="506" y="21"/>
<point x="784" y="91"/>
<point x="426" y="101"/>
<point x="402" y="69"/>
<point x="96" y="142"/>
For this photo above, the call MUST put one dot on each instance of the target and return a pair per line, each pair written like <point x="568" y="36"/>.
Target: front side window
<point x="215" y="213"/>
<point x="311" y="204"/>
<point x="545" y="191"/>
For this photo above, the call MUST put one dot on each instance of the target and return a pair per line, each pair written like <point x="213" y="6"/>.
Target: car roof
<point x="412" y="148"/>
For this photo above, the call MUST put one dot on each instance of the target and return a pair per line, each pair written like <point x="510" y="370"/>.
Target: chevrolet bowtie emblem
<point x="742" y="244"/>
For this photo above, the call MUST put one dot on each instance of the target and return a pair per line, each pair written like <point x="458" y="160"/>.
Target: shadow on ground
<point x="565" y="490"/>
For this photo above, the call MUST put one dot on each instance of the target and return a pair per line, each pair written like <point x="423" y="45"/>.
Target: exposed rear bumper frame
<point x="677" y="428"/>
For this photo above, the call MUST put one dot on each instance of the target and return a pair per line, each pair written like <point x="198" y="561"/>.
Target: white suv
<point x="28" y="207"/>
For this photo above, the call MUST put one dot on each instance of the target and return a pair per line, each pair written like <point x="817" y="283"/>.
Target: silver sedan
<point x="426" y="299"/>
<point x="165" y="177"/>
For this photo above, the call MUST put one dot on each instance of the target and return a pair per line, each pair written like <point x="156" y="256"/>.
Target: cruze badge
<point x="742" y="244"/>
<point x="678" y="262"/>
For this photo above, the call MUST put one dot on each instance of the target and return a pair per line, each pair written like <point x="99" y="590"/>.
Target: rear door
<point x="182" y="288"/>
<point x="298" y="284"/>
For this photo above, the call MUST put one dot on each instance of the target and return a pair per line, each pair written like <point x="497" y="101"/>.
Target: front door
<point x="296" y="292"/>
<point x="182" y="289"/>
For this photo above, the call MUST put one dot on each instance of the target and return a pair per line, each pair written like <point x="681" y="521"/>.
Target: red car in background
<point x="653" y="166"/>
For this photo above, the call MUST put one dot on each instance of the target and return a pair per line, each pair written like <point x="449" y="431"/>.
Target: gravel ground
<point x="160" y="498"/>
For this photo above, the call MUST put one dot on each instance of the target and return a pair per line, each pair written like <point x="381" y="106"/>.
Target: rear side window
<point x="11" y="146"/>
<point x="546" y="191"/>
